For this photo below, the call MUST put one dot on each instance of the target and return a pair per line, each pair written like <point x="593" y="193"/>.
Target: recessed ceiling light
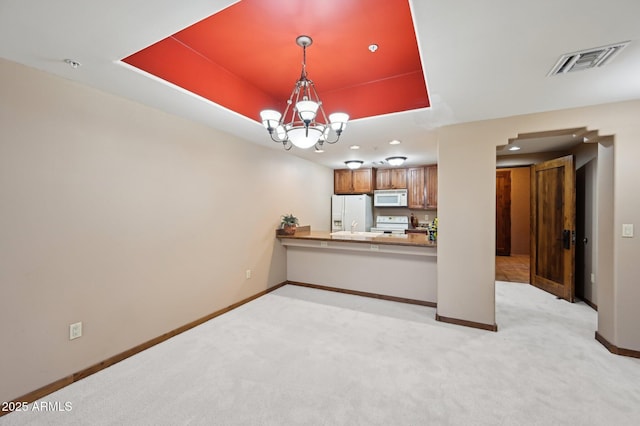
<point x="354" y="147"/>
<point x="395" y="142"/>
<point x="373" y="47"/>
<point x="514" y="148"/>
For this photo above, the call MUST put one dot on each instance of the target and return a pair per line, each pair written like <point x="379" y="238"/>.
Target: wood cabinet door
<point x="383" y="179"/>
<point x="391" y="179"/>
<point x="342" y="182"/>
<point x="398" y="178"/>
<point x="431" y="178"/>
<point x="416" y="197"/>
<point x="362" y="181"/>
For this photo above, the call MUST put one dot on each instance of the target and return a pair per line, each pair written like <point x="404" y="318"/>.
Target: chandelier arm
<point x="314" y="92"/>
<point x="287" y="145"/>
<point x="290" y="102"/>
<point x="330" y="141"/>
<point x="272" y="137"/>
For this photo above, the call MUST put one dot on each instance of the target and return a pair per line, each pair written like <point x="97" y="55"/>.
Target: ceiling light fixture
<point x="514" y="148"/>
<point x="354" y="164"/>
<point x="394" y="142"/>
<point x="396" y="161"/>
<point x="373" y="47"/>
<point x="300" y="124"/>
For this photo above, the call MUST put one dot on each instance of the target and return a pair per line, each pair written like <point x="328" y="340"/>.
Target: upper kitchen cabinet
<point x="417" y="191"/>
<point x="359" y="181"/>
<point x="422" y="187"/>
<point x="431" y="177"/>
<point x="391" y="179"/>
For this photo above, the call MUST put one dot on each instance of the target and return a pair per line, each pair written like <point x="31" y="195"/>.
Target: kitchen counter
<point x="411" y="240"/>
<point x="396" y="265"/>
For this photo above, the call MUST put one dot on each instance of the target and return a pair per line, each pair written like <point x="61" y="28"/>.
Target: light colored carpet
<point x="300" y="356"/>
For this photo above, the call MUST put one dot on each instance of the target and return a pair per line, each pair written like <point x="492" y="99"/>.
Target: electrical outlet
<point x="426" y="218"/>
<point x="627" y="230"/>
<point x="248" y="273"/>
<point x="75" y="330"/>
<point x="593" y="278"/>
<point x="374" y="247"/>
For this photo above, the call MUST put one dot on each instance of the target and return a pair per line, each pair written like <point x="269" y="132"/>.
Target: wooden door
<point x="553" y="227"/>
<point x="503" y="213"/>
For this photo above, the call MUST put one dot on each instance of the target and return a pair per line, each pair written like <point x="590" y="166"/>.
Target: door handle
<point x="566" y="239"/>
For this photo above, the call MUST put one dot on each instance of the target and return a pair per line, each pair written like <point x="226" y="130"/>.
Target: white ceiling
<point x="482" y="59"/>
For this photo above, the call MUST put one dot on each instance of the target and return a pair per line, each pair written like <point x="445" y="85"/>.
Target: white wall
<point x="128" y="219"/>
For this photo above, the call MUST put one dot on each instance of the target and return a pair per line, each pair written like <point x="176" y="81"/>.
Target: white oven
<point x="390" y="198"/>
<point x="391" y="225"/>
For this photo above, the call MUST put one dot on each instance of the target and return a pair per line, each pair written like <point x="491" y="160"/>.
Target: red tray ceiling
<point x="245" y="57"/>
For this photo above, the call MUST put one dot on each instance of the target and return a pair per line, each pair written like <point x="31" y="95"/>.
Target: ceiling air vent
<point x="586" y="59"/>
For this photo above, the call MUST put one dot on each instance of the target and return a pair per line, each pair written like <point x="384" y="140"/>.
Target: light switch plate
<point x="627" y="230"/>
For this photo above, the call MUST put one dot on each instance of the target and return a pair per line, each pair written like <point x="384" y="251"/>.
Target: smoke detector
<point x="585" y="59"/>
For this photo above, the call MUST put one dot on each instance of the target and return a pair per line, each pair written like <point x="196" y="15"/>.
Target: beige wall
<point x="130" y="220"/>
<point x="464" y="239"/>
<point x="466" y="222"/>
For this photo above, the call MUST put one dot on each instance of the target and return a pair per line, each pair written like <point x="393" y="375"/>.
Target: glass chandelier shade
<point x="304" y="122"/>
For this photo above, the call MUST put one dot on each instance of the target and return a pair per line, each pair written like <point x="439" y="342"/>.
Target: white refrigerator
<point x="351" y="210"/>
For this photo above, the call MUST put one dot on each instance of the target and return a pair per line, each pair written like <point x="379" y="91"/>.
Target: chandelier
<point x="304" y="122"/>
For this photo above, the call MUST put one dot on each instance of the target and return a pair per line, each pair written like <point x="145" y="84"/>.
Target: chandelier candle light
<point x="304" y="122"/>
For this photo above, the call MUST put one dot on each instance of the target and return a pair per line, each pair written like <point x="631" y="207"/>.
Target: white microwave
<point x="390" y="198"/>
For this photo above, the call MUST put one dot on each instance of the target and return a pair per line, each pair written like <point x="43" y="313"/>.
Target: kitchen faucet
<point x="353" y="225"/>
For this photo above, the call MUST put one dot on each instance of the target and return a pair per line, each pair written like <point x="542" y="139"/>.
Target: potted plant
<point x="288" y="224"/>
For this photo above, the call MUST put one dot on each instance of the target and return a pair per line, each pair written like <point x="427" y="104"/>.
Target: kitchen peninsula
<point x="401" y="267"/>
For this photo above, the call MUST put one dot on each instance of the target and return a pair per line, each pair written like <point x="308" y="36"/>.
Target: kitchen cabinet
<point x="422" y="185"/>
<point x="391" y="179"/>
<point x="431" y="177"/>
<point x="417" y="191"/>
<point x="359" y="181"/>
